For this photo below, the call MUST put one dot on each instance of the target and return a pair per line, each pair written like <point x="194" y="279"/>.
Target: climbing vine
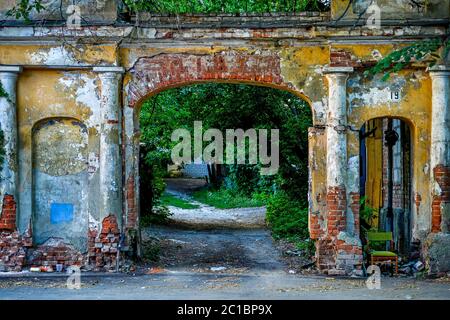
<point x="431" y="51"/>
<point x="225" y="6"/>
<point x="23" y="8"/>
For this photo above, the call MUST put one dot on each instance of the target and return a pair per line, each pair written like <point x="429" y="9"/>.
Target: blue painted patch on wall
<point x="61" y="212"/>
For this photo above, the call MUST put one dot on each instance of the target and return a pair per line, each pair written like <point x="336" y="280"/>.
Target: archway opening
<point x="385" y="184"/>
<point x="229" y="193"/>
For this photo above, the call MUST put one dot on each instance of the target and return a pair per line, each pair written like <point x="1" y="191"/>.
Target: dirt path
<point x="179" y="285"/>
<point x="208" y="217"/>
<point x="223" y="250"/>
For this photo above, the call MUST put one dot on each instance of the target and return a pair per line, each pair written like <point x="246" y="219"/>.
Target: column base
<point x="339" y="255"/>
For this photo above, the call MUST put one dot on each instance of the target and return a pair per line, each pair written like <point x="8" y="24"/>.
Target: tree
<point x="231" y="106"/>
<point x="23" y="8"/>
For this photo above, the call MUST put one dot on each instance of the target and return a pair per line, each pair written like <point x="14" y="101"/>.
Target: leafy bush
<point x="151" y="250"/>
<point x="159" y="215"/>
<point x="287" y="218"/>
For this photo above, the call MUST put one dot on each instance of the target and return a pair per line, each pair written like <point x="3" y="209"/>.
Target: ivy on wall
<point x="431" y="51"/>
<point x="23" y="8"/>
<point x="225" y="6"/>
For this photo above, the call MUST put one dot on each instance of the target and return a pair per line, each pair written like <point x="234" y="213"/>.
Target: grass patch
<point x="170" y="200"/>
<point x="225" y="199"/>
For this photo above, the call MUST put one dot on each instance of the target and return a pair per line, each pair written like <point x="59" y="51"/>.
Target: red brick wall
<point x="168" y="70"/>
<point x="131" y="204"/>
<point x="342" y="58"/>
<point x="103" y="247"/>
<point x="53" y="252"/>
<point x="355" y="206"/>
<point x="337" y="206"/>
<point x="13" y="246"/>
<point x="442" y="177"/>
<point x="8" y="214"/>
<point x="315" y="229"/>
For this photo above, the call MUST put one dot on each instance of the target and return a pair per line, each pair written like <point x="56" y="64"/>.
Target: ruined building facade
<point x="69" y="182"/>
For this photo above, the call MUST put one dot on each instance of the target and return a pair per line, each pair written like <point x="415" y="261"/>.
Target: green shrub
<point x="287" y="218"/>
<point x="159" y="215"/>
<point x="151" y="250"/>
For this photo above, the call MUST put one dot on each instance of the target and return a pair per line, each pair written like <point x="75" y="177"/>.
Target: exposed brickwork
<point x="334" y="255"/>
<point x="342" y="58"/>
<point x="55" y="251"/>
<point x="315" y="230"/>
<point x="442" y="177"/>
<point x="355" y="206"/>
<point x="325" y="254"/>
<point x="103" y="247"/>
<point x="13" y="249"/>
<point x="337" y="207"/>
<point x="13" y="246"/>
<point x="131" y="204"/>
<point x="8" y="214"/>
<point x="337" y="257"/>
<point x="169" y="70"/>
<point x="349" y="256"/>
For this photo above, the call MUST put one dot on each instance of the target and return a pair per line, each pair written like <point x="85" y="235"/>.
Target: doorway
<point x="385" y="179"/>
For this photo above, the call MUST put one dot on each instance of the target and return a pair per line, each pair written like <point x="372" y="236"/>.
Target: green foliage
<point x="226" y="199"/>
<point x="23" y="8"/>
<point x="158" y="215"/>
<point x="288" y="218"/>
<point x="420" y="51"/>
<point x="151" y="250"/>
<point x="231" y="106"/>
<point x="170" y="200"/>
<point x="367" y="213"/>
<point x="225" y="106"/>
<point x="225" y="6"/>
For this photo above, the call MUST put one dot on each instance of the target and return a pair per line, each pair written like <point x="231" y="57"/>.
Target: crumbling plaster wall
<point x="43" y="96"/>
<point x="289" y="59"/>
<point x="369" y="99"/>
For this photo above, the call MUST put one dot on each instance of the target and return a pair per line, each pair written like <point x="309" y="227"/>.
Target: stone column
<point x="110" y="195"/>
<point x="337" y="148"/>
<point x="440" y="149"/>
<point x="8" y="124"/>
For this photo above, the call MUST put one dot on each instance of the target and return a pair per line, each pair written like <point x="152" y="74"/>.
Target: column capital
<point x="439" y="71"/>
<point x="10" y="69"/>
<point x="108" y="69"/>
<point x="337" y="70"/>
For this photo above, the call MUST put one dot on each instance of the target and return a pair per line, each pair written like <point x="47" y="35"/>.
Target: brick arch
<point x="151" y="75"/>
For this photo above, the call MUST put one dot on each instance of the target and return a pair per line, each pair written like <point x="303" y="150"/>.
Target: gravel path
<point x="208" y="217"/>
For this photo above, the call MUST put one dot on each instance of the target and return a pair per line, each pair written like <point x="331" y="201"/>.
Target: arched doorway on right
<point x="385" y="181"/>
